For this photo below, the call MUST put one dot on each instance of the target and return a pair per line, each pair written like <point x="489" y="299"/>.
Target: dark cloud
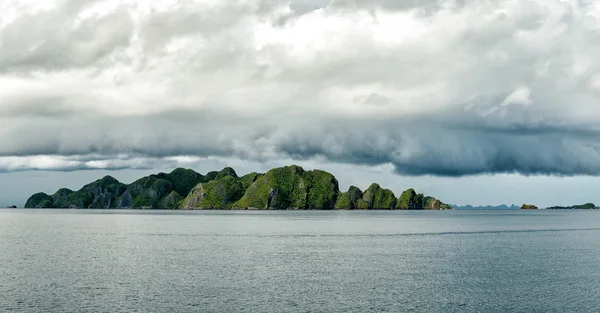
<point x="415" y="146"/>
<point x="421" y="149"/>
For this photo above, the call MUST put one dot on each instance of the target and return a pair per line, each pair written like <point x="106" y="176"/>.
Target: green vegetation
<point x="210" y="176"/>
<point x="322" y="190"/>
<point x="289" y="187"/>
<point x="248" y="179"/>
<point x="410" y="200"/>
<point x="154" y="191"/>
<point x="228" y="171"/>
<point x="63" y="198"/>
<point x="431" y="203"/>
<point x="355" y="194"/>
<point x="344" y="202"/>
<point x="377" y="198"/>
<point x="528" y="207"/>
<point x="148" y="191"/>
<point x="349" y="200"/>
<point x="39" y="201"/>
<point x="99" y="194"/>
<point x="369" y="196"/>
<point x="257" y="194"/>
<point x="184" y="180"/>
<point x="362" y="205"/>
<point x="171" y="201"/>
<point x="216" y="194"/>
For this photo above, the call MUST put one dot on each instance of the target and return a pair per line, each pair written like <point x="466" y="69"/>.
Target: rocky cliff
<point x="284" y="188"/>
<point x="154" y="191"/>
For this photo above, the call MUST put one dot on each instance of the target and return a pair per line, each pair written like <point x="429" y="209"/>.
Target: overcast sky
<point x="480" y="102"/>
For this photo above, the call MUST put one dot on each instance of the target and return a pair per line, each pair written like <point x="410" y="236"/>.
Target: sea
<point x="299" y="261"/>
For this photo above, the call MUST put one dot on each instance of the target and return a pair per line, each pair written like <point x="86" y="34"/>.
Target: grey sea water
<point x="299" y="261"/>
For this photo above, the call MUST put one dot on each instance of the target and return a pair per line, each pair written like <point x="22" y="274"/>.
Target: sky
<point x="474" y="102"/>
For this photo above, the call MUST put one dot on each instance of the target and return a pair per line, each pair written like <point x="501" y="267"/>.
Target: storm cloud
<point x="447" y="88"/>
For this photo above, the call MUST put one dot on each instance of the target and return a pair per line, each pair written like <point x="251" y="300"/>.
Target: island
<point x="284" y="188"/>
<point x="587" y="206"/>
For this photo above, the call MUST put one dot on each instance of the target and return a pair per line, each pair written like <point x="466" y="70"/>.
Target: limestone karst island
<point x="289" y="187"/>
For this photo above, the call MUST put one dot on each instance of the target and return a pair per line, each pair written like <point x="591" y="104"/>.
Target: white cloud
<point x="520" y="96"/>
<point x="431" y="87"/>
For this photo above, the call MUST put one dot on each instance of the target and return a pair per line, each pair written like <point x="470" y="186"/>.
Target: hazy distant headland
<point x="587" y="206"/>
<point x="485" y="207"/>
<point x="284" y="188"/>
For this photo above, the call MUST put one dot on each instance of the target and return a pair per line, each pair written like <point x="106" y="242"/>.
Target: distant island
<point x="486" y="207"/>
<point x="283" y="188"/>
<point x="587" y="206"/>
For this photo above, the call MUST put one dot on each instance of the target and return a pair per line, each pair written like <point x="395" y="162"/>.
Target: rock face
<point x="528" y="207"/>
<point x="411" y="200"/>
<point x="221" y="193"/>
<point x="349" y="200"/>
<point x="99" y="194"/>
<point x="171" y="201"/>
<point x="194" y="198"/>
<point x="431" y="203"/>
<point x="289" y="187"/>
<point x="377" y="198"/>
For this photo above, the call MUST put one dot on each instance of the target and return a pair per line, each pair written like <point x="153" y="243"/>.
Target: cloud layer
<point x="446" y="88"/>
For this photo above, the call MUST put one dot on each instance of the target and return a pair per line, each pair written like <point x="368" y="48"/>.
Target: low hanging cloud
<point x="447" y="88"/>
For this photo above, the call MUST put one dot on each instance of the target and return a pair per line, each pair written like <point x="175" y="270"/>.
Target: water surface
<point x="299" y="261"/>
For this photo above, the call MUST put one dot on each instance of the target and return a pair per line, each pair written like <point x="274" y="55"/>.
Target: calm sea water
<point x="299" y="261"/>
